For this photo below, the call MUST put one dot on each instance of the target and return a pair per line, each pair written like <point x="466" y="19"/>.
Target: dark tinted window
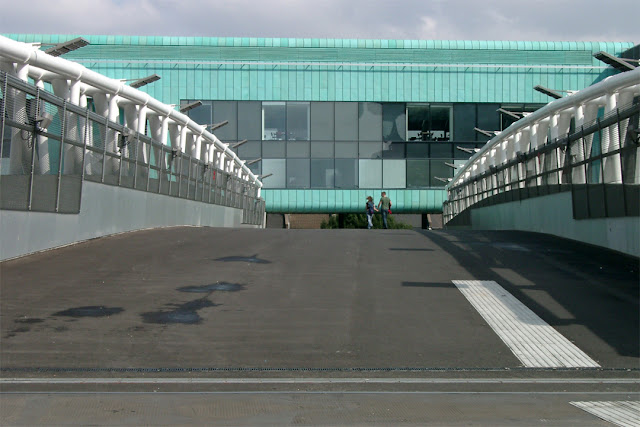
<point x="250" y="120"/>
<point x="369" y="121"/>
<point x="298" y="173"/>
<point x="346" y="173"/>
<point x="346" y="121"/>
<point x="322" y="121"/>
<point x="226" y="110"/>
<point x="322" y="173"/>
<point x="394" y="122"/>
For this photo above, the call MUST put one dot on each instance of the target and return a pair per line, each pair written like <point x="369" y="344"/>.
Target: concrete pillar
<point x="188" y="141"/>
<point x="560" y="124"/>
<point x="131" y="121"/>
<point x="508" y="154"/>
<point x="43" y="160"/>
<point x="83" y="131"/>
<point x="174" y="135"/>
<point x="69" y="90"/>
<point x="611" y="168"/>
<point x="184" y="132"/>
<point x="74" y="130"/>
<point x="522" y="143"/>
<point x="624" y="99"/>
<point x="190" y="144"/>
<point x="211" y="155"/>
<point x="159" y="132"/>
<point x="107" y="106"/>
<point x="482" y="168"/>
<point x="196" y="147"/>
<point x="155" y="128"/>
<point x="174" y="132"/>
<point x="493" y="162"/>
<point x="538" y="139"/>
<point x="585" y="115"/>
<point x="20" y="156"/>
<point x="219" y="160"/>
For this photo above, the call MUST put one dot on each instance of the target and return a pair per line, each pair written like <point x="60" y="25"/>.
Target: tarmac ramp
<point x="200" y="326"/>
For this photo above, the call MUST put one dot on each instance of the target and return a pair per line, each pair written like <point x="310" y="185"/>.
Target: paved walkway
<point x="318" y="327"/>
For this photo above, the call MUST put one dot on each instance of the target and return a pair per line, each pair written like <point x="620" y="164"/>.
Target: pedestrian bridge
<point x="237" y="325"/>
<point x="73" y="170"/>
<point x="571" y="169"/>
<point x="72" y="164"/>
<point x="202" y="326"/>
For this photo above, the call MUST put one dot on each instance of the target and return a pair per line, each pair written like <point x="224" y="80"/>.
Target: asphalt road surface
<point x="206" y="326"/>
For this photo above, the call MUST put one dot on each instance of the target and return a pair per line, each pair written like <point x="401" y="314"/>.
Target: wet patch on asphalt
<point x="251" y="259"/>
<point x="90" y="311"/>
<point x="16" y="331"/>
<point x="186" y="313"/>
<point x="221" y="286"/>
<point x="28" y="321"/>
<point x="23" y="320"/>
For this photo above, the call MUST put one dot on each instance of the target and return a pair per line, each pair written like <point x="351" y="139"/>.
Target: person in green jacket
<point x="385" y="206"/>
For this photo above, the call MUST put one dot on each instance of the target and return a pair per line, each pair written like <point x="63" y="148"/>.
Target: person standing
<point x="384" y="205"/>
<point x="371" y="208"/>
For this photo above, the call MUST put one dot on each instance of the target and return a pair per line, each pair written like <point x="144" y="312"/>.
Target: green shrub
<point x="332" y="223"/>
<point x="360" y="221"/>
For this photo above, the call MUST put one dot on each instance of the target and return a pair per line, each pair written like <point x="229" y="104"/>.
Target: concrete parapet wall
<point x="106" y="210"/>
<point x="553" y="214"/>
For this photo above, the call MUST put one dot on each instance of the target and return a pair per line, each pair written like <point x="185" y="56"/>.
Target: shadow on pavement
<point x="570" y="285"/>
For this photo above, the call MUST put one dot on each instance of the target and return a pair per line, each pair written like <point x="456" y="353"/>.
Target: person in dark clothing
<point x="371" y="208"/>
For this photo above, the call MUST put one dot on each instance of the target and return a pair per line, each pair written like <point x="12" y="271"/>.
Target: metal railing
<point x="50" y="146"/>
<point x="599" y="163"/>
<point x="586" y="142"/>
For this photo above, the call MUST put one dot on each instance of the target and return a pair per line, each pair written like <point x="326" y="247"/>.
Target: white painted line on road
<point x="324" y="392"/>
<point x="619" y="413"/>
<point x="532" y="340"/>
<point x="319" y="381"/>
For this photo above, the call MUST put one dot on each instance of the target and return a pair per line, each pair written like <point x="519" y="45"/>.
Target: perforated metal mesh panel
<point x="70" y="191"/>
<point x="14" y="192"/>
<point x="45" y="192"/>
<point x="142" y="170"/>
<point x="184" y="176"/>
<point x="112" y="169"/>
<point x="597" y="163"/>
<point x="49" y="146"/>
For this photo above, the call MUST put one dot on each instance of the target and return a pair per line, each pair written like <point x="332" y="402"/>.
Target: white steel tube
<point x="23" y="55"/>
<point x="627" y="82"/>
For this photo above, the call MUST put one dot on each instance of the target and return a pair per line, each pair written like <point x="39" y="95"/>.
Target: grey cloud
<point x="411" y="19"/>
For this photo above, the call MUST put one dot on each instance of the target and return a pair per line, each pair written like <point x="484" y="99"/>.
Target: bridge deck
<point x="222" y="310"/>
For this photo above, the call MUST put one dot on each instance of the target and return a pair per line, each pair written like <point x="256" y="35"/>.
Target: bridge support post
<point x="19" y="156"/>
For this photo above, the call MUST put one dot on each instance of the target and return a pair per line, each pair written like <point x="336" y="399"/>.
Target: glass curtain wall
<point x="274" y="121"/>
<point x="427" y="122"/>
<point x="348" y="145"/>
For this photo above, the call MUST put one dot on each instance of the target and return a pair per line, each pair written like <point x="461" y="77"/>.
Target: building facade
<point x="328" y="122"/>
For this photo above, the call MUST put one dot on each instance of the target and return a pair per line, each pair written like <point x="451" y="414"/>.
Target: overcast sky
<point x="559" y="20"/>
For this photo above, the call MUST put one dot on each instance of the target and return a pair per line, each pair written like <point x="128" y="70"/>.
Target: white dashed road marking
<point x="619" y="413"/>
<point x="530" y="338"/>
